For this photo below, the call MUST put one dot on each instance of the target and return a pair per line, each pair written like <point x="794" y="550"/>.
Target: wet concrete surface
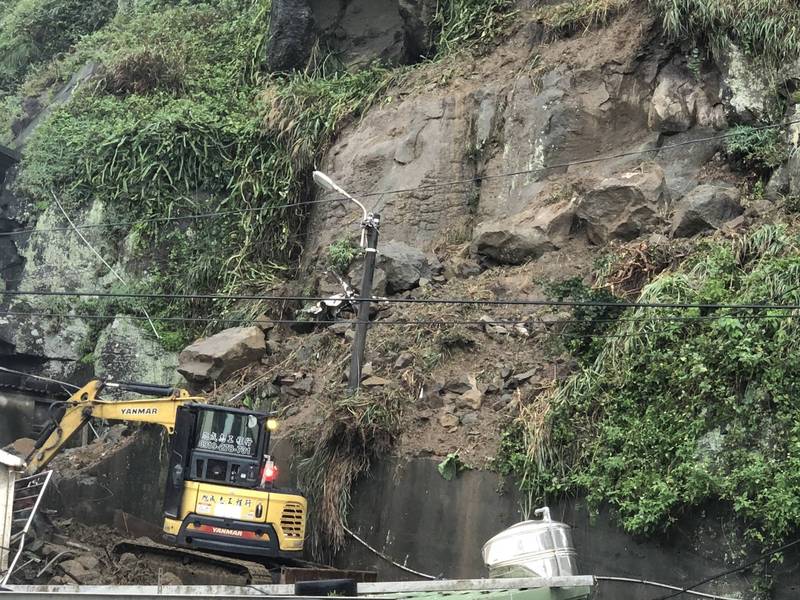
<point x="409" y="512"/>
<point x="406" y="510"/>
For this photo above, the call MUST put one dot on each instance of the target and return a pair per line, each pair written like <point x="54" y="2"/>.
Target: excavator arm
<point x="85" y="404"/>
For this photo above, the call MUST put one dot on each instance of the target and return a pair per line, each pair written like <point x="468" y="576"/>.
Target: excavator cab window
<point x="228" y="446"/>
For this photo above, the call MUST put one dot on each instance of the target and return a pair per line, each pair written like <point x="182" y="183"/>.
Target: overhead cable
<point x="429" y="186"/>
<point x="454" y="301"/>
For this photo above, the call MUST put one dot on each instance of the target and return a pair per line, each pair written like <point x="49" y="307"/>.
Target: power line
<point x="430" y="186"/>
<point x="742" y="567"/>
<point x="576" y="163"/>
<point x="454" y="301"/>
<point x="404" y="323"/>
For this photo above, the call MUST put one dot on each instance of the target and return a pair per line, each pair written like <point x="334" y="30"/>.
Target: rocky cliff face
<point x="500" y="171"/>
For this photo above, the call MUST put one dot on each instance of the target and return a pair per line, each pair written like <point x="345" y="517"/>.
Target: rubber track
<point x="258" y="573"/>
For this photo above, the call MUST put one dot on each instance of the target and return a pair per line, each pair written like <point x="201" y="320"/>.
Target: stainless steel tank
<point x="538" y="548"/>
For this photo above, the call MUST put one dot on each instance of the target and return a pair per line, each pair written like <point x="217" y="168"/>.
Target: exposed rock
<point x="418" y="18"/>
<point x="470" y="418"/>
<point x="778" y="184"/>
<point x="672" y="108"/>
<point x="403" y="265"/>
<point x="89" y="562"/>
<point x="625" y="206"/>
<point x="462" y="268"/>
<point x="449" y="420"/>
<point x="524" y="236"/>
<point x="217" y="357"/>
<point x="472" y="398"/>
<point x="747" y="90"/>
<point x="361" y="31"/>
<point x="681" y="100"/>
<point x="706" y="207"/>
<point x="291" y="35"/>
<point x="379" y="279"/>
<point x="375" y="381"/>
<point x="404" y="360"/>
<point x="126" y="352"/>
<point x="169" y="578"/>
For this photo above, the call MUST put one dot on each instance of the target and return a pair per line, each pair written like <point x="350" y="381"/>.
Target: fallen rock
<point x="169" y="578"/>
<point x="128" y="560"/>
<point x="472" y="399"/>
<point x="524" y="236"/>
<point x="217" y="357"/>
<point x="403" y="265"/>
<point x="706" y="207"/>
<point x="74" y="570"/>
<point x="449" y="420"/>
<point x="462" y="268"/>
<point x="88" y="561"/>
<point x="625" y="206"/>
<point x="404" y="360"/>
<point x="470" y="418"/>
<point x="375" y="381"/>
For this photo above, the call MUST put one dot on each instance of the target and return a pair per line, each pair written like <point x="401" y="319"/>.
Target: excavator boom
<point x="84" y="405"/>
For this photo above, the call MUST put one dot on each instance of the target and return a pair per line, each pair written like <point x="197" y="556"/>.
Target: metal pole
<point x="371" y="226"/>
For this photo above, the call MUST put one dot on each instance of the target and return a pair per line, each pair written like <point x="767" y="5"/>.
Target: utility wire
<point x="459" y="301"/>
<point x="48" y="379"/>
<point x="100" y="256"/>
<point x="742" y="567"/>
<point x="395" y="323"/>
<point x="661" y="585"/>
<point x="430" y="186"/>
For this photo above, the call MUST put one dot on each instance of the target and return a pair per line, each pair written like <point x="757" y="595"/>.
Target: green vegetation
<point x="760" y="149"/>
<point x="34" y="31"/>
<point x="766" y="29"/>
<point x="769" y="29"/>
<point x="452" y="466"/>
<point x="469" y="23"/>
<point x="673" y="413"/>
<point x="341" y="254"/>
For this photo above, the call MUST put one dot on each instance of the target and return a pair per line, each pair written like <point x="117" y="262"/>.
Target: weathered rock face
<point x="126" y="352"/>
<point x="290" y="35"/>
<point x="706" y="207"/>
<point x="217" y="357"/>
<point x="682" y="100"/>
<point x="625" y="206"/>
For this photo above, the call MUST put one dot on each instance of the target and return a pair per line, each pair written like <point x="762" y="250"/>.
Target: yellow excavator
<point x="220" y="494"/>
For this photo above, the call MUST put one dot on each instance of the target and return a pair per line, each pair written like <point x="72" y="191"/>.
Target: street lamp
<point x="370" y="224"/>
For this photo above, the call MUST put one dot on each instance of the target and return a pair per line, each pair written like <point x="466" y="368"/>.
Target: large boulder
<point x="681" y="100"/>
<point x="625" y="206"/>
<point x="217" y="357"/>
<point x="291" y="35"/>
<point x="706" y="207"/>
<point x="525" y="236"/>
<point x="127" y="352"/>
<point x="399" y="267"/>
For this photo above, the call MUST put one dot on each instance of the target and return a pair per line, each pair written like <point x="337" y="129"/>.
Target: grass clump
<point x="769" y="29"/>
<point x="757" y="149"/>
<point x="576" y="15"/>
<point x="464" y="24"/>
<point x="34" y="31"/>
<point x="341" y="254"/>
<point x="675" y="413"/>
<point x="356" y="430"/>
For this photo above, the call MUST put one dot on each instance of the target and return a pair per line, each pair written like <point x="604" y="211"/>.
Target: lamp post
<point x="370" y="224"/>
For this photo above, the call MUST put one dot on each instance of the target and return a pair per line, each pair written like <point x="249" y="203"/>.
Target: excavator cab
<point x="221" y="494"/>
